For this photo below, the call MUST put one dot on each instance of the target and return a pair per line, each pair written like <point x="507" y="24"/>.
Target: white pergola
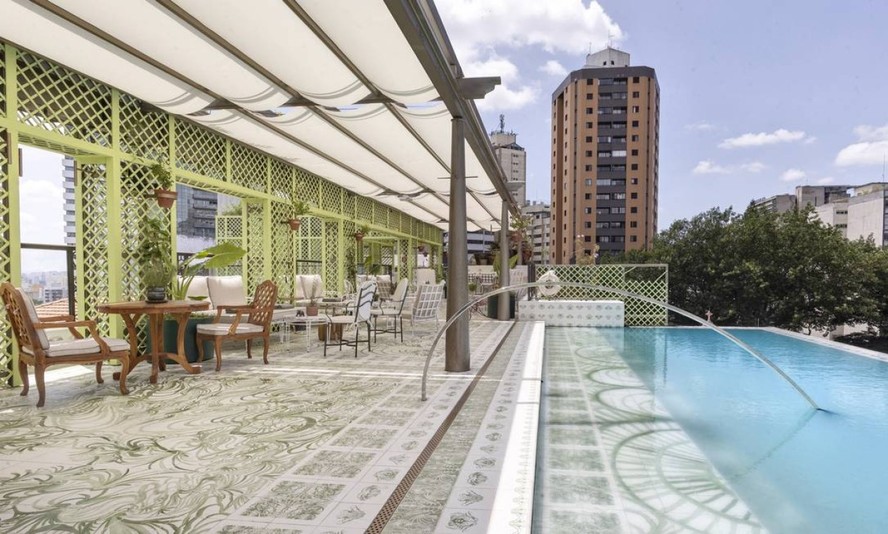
<point x="366" y="93"/>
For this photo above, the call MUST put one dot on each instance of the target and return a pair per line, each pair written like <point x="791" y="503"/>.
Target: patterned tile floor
<point x="305" y="444"/>
<point x="308" y="444"/>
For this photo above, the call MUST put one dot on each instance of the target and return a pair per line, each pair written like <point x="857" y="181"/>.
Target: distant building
<point x="512" y="159"/>
<point x="835" y="214"/>
<point x="805" y="195"/>
<point x="866" y="213"/>
<point x="540" y="229"/>
<point x="68" y="168"/>
<point x="478" y="242"/>
<point x="776" y="203"/>
<point x="54" y="293"/>
<point x="605" y="158"/>
<point x="196" y="213"/>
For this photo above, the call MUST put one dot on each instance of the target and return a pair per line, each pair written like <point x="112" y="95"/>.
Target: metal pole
<point x="457" y="348"/>
<point x="503" y="300"/>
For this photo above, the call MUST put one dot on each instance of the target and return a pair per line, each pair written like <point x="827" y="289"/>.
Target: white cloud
<point x="792" y="175"/>
<point x="554" y="25"/>
<point x="761" y="139"/>
<point x="708" y="167"/>
<point x="753" y="166"/>
<point x="826" y="180"/>
<point x="871" y="148"/>
<point x="511" y="94"/>
<point x="482" y="31"/>
<point x="553" y="68"/>
<point x="701" y="126"/>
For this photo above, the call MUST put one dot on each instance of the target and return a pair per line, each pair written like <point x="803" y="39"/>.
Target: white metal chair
<point x="426" y="303"/>
<point x="359" y="313"/>
<point x="392" y="310"/>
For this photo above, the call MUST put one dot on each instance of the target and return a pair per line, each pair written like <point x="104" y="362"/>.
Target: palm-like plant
<point x="215" y="257"/>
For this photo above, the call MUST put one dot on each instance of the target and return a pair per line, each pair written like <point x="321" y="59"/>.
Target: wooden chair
<point x="354" y="316"/>
<point x="257" y="324"/>
<point x="36" y="350"/>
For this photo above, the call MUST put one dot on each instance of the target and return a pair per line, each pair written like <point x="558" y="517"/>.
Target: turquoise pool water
<point x="798" y="471"/>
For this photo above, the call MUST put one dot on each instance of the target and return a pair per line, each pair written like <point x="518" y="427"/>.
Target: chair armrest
<point x="57" y="318"/>
<point x="237" y="307"/>
<point x="71" y="325"/>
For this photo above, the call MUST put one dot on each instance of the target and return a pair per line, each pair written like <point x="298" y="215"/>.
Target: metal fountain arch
<point x="548" y="283"/>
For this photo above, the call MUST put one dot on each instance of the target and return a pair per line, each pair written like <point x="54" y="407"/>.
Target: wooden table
<point x="179" y="309"/>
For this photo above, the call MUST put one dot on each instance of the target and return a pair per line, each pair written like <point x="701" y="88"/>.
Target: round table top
<point x="150" y="308"/>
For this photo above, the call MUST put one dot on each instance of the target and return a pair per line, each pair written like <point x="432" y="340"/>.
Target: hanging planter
<point x="294" y="224"/>
<point x="165" y="197"/>
<point x="360" y="233"/>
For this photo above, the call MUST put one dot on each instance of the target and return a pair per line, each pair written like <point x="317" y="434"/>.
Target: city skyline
<point x="750" y="105"/>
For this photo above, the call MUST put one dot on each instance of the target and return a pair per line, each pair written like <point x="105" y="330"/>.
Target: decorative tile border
<point x="594" y="313"/>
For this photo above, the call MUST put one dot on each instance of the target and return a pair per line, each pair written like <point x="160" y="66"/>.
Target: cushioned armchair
<point x="257" y="324"/>
<point x="36" y="350"/>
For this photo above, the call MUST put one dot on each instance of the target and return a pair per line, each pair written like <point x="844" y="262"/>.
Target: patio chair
<point x="257" y="325"/>
<point x="426" y="303"/>
<point x="392" y="310"/>
<point x="354" y="316"/>
<point x="36" y="350"/>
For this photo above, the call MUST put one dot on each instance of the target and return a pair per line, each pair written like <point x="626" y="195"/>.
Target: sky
<point x="757" y="97"/>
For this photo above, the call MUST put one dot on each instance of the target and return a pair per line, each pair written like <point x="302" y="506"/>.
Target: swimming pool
<point x="795" y="470"/>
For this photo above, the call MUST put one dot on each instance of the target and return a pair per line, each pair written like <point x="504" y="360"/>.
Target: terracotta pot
<point x="165" y="198"/>
<point x="311" y="311"/>
<point x="294" y="224"/>
<point x="359" y="236"/>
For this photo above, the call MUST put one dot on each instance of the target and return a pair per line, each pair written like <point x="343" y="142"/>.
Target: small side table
<point x="308" y="321"/>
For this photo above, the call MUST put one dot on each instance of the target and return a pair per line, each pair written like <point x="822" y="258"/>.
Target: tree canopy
<point x="764" y="269"/>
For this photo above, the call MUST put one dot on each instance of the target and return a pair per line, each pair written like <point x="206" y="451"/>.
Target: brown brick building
<point x="605" y="146"/>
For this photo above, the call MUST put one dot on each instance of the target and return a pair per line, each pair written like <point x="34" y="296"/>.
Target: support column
<point x="503" y="300"/>
<point x="457" y="347"/>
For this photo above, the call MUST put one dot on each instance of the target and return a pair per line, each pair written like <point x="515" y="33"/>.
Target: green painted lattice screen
<point x="115" y="137"/>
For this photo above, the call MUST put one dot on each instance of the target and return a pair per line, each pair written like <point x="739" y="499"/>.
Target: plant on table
<point x="312" y="294"/>
<point x="155" y="257"/>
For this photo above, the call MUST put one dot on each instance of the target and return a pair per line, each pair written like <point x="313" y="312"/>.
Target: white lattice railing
<point x="651" y="281"/>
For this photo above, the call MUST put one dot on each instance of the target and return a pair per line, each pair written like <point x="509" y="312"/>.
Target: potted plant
<point x="214" y="257"/>
<point x="311" y="309"/>
<point x="361" y="232"/>
<point x="156" y="276"/>
<point x="163" y="176"/>
<point x="155" y="258"/>
<point x="298" y="208"/>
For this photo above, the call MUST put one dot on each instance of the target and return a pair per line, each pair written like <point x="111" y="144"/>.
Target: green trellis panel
<point x="116" y="137"/>
<point x="651" y="281"/>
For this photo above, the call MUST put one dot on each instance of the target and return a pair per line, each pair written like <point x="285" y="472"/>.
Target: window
<point x="606" y="81"/>
<point x="604" y="139"/>
<point x="587" y="168"/>
<point x="633" y="196"/>
<point x="635" y="109"/>
<point x="603" y="238"/>
<point x="633" y="238"/>
<point x="602" y="196"/>
<point x="635" y="166"/>
<point x="618" y="210"/>
<point x="619" y="140"/>
<point x="587" y="196"/>
<point x="588" y="153"/>
<point x="590" y="124"/>
<point x="634" y="181"/>
<point x="636" y="94"/>
<point x="588" y="181"/>
<point x="588" y="224"/>
<point x="635" y="138"/>
<point x="634" y="151"/>
<point x="602" y="211"/>
<point x="589" y="96"/>
<point x="604" y="154"/>
<point x="635" y="79"/>
<point x="590" y="111"/>
<point x="588" y="138"/>
<point x="633" y="224"/>
<point x="633" y="210"/>
<point x="619" y="111"/>
<point x="587" y="211"/>
<point x="602" y="111"/>
<point x="606" y="95"/>
<point x="635" y="124"/>
<point x="587" y="239"/>
<point x="619" y="196"/>
<point x="619" y="153"/>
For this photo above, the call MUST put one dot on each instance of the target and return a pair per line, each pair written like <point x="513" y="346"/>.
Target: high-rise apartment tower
<point x="512" y="159"/>
<point x="605" y="145"/>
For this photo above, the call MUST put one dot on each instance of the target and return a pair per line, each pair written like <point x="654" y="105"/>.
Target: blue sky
<point x="757" y="97"/>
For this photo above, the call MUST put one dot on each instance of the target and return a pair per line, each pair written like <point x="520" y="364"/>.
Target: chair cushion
<point x="221" y="329"/>
<point x="342" y="319"/>
<point x="298" y="292"/>
<point x="226" y="291"/>
<point x="32" y="313"/>
<point x="312" y="286"/>
<point x="198" y="287"/>
<point x="82" y="347"/>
